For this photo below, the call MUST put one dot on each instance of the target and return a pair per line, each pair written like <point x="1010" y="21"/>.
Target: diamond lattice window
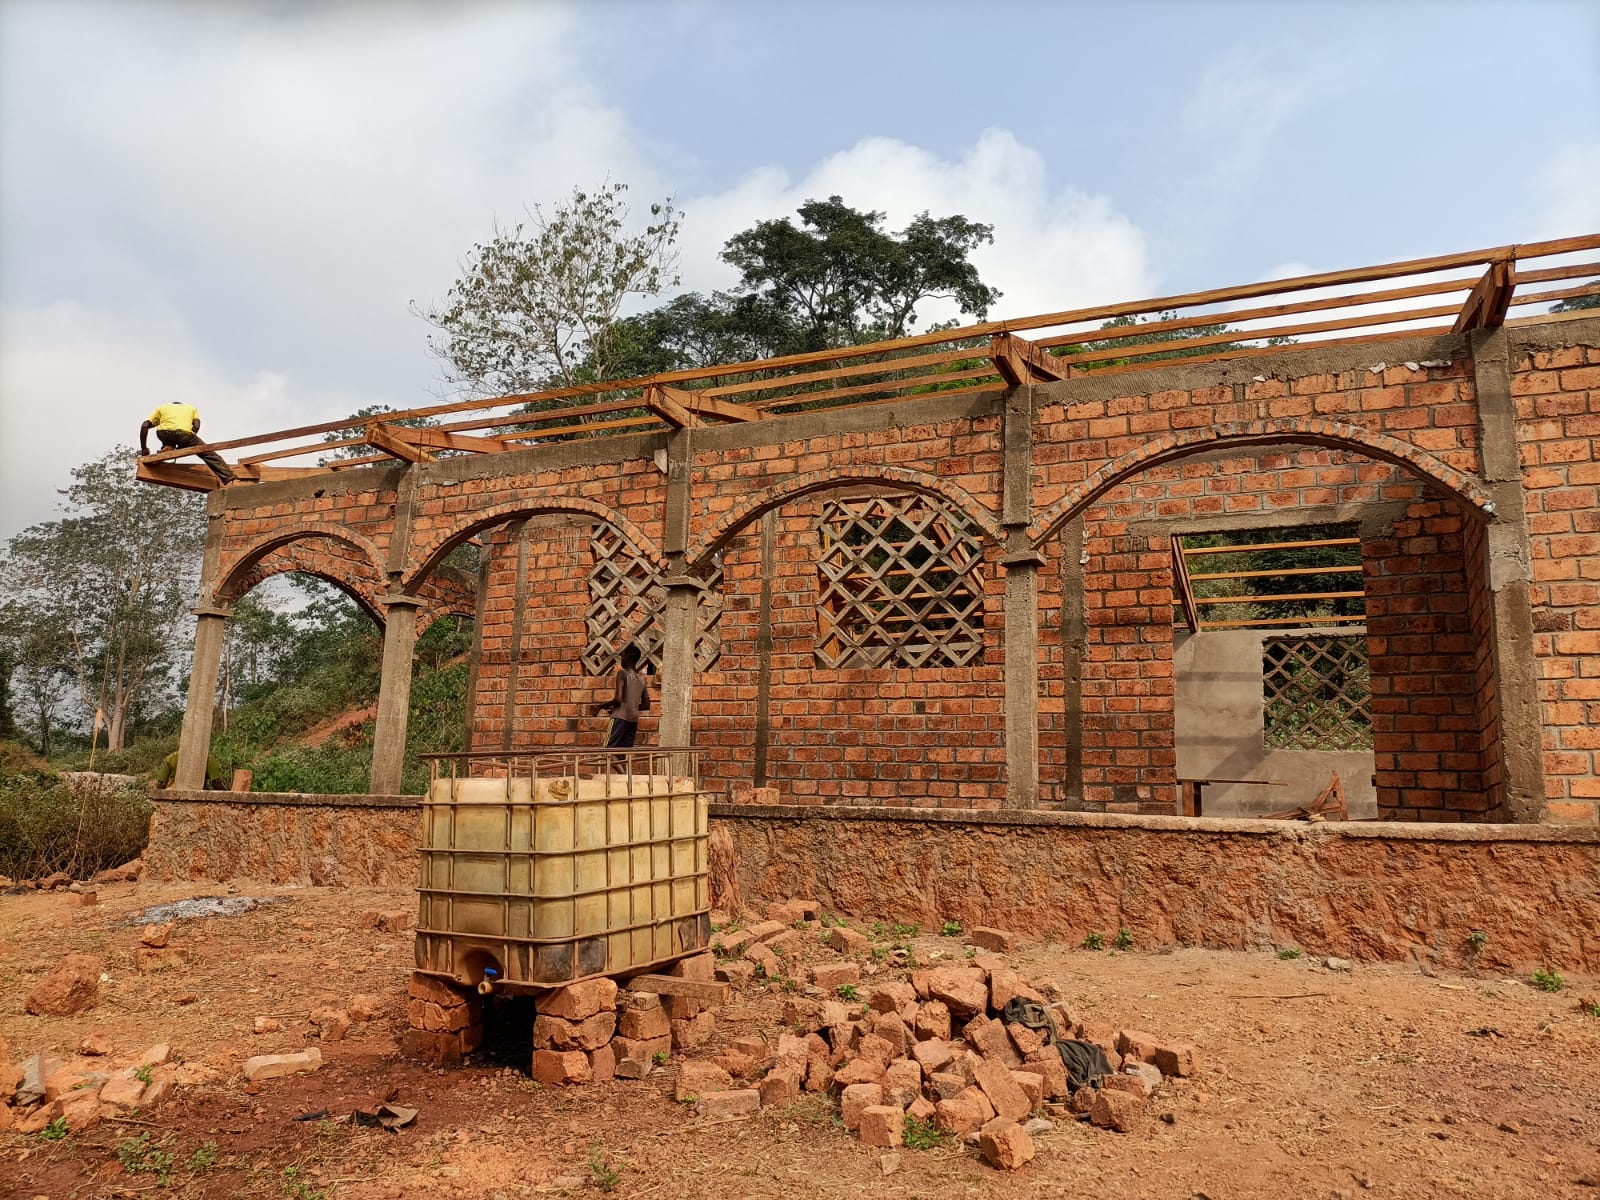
<point x="901" y="584"/>
<point x="1318" y="693"/>
<point x="626" y="600"/>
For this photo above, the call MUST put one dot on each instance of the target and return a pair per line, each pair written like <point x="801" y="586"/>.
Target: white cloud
<point x="1054" y="248"/>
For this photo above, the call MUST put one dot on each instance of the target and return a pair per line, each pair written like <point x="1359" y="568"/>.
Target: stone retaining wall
<point x="1365" y="890"/>
<point x="271" y="837"/>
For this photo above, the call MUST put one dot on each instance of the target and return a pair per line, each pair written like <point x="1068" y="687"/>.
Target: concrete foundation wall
<point x="1370" y="891"/>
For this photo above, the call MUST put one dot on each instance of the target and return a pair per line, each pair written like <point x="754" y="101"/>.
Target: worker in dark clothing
<point x="178" y="426"/>
<point x="631" y="697"/>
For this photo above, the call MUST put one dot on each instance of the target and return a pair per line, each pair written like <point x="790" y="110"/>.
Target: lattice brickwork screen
<point x="625" y="604"/>
<point x="901" y="582"/>
<point x="1318" y="693"/>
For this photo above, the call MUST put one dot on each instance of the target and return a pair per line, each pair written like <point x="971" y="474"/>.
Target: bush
<point x="48" y="825"/>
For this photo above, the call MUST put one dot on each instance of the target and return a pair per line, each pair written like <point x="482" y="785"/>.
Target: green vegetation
<point x="1589" y="1007"/>
<point x="1123" y="940"/>
<point x="1547" y="979"/>
<point x="847" y="991"/>
<point x="1289" y="953"/>
<point x="1476" y="941"/>
<point x="47" y="825"/>
<point x="605" y="1176"/>
<point x="950" y="929"/>
<point x="204" y="1157"/>
<point x="1094" y="941"/>
<point x="923" y="1135"/>
<point x="659" y="1058"/>
<point x="55" y="1131"/>
<point x="903" y="930"/>
<point x="877" y="929"/>
<point x="144" y="1073"/>
<point x="139" y="1156"/>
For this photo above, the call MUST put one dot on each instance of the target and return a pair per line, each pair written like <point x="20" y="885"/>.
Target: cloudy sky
<point x="234" y="204"/>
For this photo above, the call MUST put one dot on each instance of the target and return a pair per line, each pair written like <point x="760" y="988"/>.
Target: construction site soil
<point x="1381" y="1080"/>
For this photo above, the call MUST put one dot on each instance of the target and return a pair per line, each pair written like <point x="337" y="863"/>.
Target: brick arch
<point x="425" y="558"/>
<point x="449" y="593"/>
<point x="1335" y="435"/>
<point x="900" y="479"/>
<point x="357" y="570"/>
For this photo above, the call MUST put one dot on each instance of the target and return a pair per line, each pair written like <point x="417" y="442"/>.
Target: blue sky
<point x="234" y="204"/>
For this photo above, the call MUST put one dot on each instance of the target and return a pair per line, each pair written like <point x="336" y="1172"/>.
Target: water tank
<point x="540" y="869"/>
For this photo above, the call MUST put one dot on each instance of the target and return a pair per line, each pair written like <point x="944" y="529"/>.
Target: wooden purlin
<point x="891" y="365"/>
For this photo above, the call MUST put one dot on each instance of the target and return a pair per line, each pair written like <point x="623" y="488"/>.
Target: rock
<point x="894" y="997"/>
<point x="268" y="1025"/>
<point x="964" y="990"/>
<point x="1121" y="1111"/>
<point x="1006" y="985"/>
<point x="35" y="1070"/>
<point x="95" y="1045"/>
<point x="889" y="1163"/>
<point x="731" y="942"/>
<point x="947" y="1085"/>
<point x="765" y="931"/>
<point x="645" y="1023"/>
<point x="848" y="941"/>
<point x="963" y="1113"/>
<point x="556" y="1033"/>
<point x="882" y="1125"/>
<point x="921" y="1108"/>
<point x="1337" y="964"/>
<point x="989" y="1038"/>
<point x="602" y="1063"/>
<point x="363" y="1007"/>
<point x="999" y="941"/>
<point x="739" y="1102"/>
<point x="1002" y="1090"/>
<point x="71" y="1078"/>
<point x="932" y="1021"/>
<point x="274" y="1066"/>
<point x="696" y="966"/>
<point x="752" y="1047"/>
<point x="830" y="976"/>
<point x="10" y="1080"/>
<point x="55" y="879"/>
<point x="128" y="872"/>
<point x="396" y="920"/>
<point x="81" y="1111"/>
<point x="690" y="1035"/>
<point x="1046" y="1063"/>
<point x="1038" y="1127"/>
<point x="157" y="1055"/>
<point x="740" y="974"/>
<point x="636" y="1057"/>
<point x="1027" y="1041"/>
<point x="932" y="1055"/>
<point x="86" y="898"/>
<point x="122" y="1090"/>
<point x="698" y="1078"/>
<point x="790" y="911"/>
<point x="1032" y="1087"/>
<point x="902" y="1082"/>
<point x="1082" y="1101"/>
<point x="765" y="961"/>
<point x="170" y="959"/>
<point x="860" y="1071"/>
<point x="1176" y="1058"/>
<point x="734" y="1063"/>
<point x="443" y="992"/>
<point x="1149" y="1072"/>
<point x="579" y="1001"/>
<point x="780" y="1088"/>
<point x="1132" y="1043"/>
<point x="332" y="1023"/>
<point x="892" y="1029"/>
<point x="560" y="1067"/>
<point x="1005" y="1144"/>
<point x="855" y="1099"/>
<point x="819" y="1076"/>
<point x="1134" y="1085"/>
<point x="71" y="988"/>
<point x="156" y="936"/>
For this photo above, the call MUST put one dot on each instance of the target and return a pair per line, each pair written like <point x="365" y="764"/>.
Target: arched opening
<point x="1345" y="628"/>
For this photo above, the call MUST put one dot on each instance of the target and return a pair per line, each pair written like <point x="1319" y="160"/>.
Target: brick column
<point x="1509" y="572"/>
<point x="1021" y="564"/>
<point x="194" y="742"/>
<point x="394" y="694"/>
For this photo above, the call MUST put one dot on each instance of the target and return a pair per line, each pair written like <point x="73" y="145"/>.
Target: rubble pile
<point x="78" y="1093"/>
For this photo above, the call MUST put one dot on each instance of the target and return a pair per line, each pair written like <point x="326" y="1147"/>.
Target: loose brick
<point x="848" y="941"/>
<point x="698" y="1078"/>
<point x="579" y="1001"/>
<point x="739" y="1102"/>
<point x="882" y="1125"/>
<point x="854" y="1099"/>
<point x="561" y="1067"/>
<point x="1008" y="1098"/>
<point x="1005" y="1144"/>
<point x="999" y="941"/>
<point x="1121" y="1111"/>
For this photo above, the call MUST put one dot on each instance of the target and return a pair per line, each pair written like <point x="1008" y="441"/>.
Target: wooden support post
<point x="394" y="694"/>
<point x="665" y="404"/>
<point x="678" y="633"/>
<point x="1020" y="361"/>
<point x="389" y="439"/>
<point x="178" y="475"/>
<point x="1486" y="306"/>
<point x="194" y="741"/>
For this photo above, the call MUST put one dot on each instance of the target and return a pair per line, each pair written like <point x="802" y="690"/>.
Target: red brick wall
<point x="1557" y="397"/>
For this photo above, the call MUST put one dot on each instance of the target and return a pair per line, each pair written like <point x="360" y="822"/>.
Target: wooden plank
<point x="178" y="475"/>
<point x="1290" y="622"/>
<point x="385" y="437"/>
<point x="1281" y="596"/>
<point x="1180" y="576"/>
<point x="1252" y="548"/>
<point x="444" y="439"/>
<point x="900" y="386"/>
<point x="1020" y="361"/>
<point x="704" y="990"/>
<point x="701" y="404"/>
<point x="1200" y="360"/>
<point x="1548" y="274"/>
<point x="1486" y="307"/>
<point x="670" y="409"/>
<point x="260" y="474"/>
<point x="903" y="363"/>
<point x="1353" y="569"/>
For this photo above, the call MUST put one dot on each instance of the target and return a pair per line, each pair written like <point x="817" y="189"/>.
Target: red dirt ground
<point x="1314" y="1083"/>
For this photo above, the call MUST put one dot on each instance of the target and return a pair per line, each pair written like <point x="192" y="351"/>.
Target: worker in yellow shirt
<point x="178" y="425"/>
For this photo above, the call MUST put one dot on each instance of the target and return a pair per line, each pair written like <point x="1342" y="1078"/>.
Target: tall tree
<point x="536" y="305"/>
<point x="109" y="584"/>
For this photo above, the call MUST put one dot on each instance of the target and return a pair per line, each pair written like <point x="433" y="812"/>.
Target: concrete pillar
<point x="1022" y="678"/>
<point x="194" y="742"/>
<point x="1509" y="573"/>
<point x="394" y="694"/>
<point x="678" y="635"/>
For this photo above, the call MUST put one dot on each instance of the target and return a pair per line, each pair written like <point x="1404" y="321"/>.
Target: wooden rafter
<point x="179" y="475"/>
<point x="1490" y="299"/>
<point x="1185" y="589"/>
<point x="390" y="439"/>
<point x="664" y="402"/>
<point x="683" y="409"/>
<point x="1020" y="361"/>
<point x="443" y="439"/>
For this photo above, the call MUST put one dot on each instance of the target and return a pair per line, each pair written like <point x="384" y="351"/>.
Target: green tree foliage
<point x="100" y="597"/>
<point x="1577" y="303"/>
<point x="536" y="305"/>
